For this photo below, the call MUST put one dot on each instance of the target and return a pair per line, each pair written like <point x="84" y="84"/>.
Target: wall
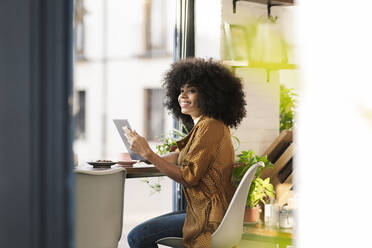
<point x="261" y="125"/>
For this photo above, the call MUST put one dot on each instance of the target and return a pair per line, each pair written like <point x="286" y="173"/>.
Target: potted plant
<point x="169" y="141"/>
<point x="287" y="105"/>
<point x="167" y="145"/>
<point x="260" y="189"/>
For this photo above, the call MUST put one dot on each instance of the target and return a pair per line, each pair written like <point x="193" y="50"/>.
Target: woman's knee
<point x="140" y="237"/>
<point x="132" y="237"/>
<point x="145" y="235"/>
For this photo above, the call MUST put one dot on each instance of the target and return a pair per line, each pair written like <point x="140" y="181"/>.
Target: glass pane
<point x="122" y="49"/>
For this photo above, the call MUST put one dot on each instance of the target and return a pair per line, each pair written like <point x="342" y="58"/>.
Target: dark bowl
<point x="97" y="164"/>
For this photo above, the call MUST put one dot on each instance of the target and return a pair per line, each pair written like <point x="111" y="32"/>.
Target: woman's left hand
<point x="138" y="144"/>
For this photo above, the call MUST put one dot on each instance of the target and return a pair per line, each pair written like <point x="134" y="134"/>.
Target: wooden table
<point x="141" y="171"/>
<point x="261" y="236"/>
<point x="135" y="172"/>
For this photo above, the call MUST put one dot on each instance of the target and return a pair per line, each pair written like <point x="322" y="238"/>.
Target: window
<point x="79" y="29"/>
<point x="80" y="115"/>
<point x="155" y="27"/>
<point x="154" y="121"/>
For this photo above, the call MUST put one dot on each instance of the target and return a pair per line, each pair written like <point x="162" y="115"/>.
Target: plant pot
<point x="173" y="148"/>
<point x="252" y="214"/>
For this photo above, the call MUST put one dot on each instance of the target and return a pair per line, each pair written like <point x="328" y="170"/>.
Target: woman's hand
<point x="138" y="144"/>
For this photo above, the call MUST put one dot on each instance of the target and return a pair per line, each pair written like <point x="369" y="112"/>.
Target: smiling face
<point x="188" y="100"/>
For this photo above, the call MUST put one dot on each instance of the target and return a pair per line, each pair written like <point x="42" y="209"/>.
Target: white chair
<point x="99" y="195"/>
<point x="230" y="230"/>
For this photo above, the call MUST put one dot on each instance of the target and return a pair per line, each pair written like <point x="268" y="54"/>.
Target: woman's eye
<point x="189" y="91"/>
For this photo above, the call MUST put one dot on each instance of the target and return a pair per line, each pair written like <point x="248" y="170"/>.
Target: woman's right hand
<point x="138" y="144"/>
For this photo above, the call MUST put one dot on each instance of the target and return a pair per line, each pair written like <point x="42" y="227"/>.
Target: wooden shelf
<point x="244" y="64"/>
<point x="278" y="147"/>
<point x="280" y="163"/>
<point x="273" y="2"/>
<point x="266" y="2"/>
<point x="281" y="153"/>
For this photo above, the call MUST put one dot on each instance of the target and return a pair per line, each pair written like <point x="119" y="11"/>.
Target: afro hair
<point x="220" y="93"/>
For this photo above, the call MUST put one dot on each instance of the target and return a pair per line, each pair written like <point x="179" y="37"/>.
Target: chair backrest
<point x="230" y="230"/>
<point x="99" y="198"/>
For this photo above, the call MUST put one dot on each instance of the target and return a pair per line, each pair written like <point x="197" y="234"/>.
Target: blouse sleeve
<point x="202" y="152"/>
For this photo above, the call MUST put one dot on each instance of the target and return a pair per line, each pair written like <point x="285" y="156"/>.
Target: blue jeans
<point x="144" y="235"/>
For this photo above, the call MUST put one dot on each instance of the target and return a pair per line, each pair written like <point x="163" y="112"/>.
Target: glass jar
<point x="286" y="217"/>
<point x="271" y="214"/>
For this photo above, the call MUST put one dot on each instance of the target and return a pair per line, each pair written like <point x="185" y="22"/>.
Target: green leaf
<point x="287" y="106"/>
<point x="260" y="190"/>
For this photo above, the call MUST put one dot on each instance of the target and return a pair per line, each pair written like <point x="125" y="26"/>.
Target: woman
<point x="208" y="97"/>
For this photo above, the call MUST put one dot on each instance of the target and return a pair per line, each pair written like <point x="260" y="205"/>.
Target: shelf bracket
<point x="268" y="3"/>
<point x="234" y="6"/>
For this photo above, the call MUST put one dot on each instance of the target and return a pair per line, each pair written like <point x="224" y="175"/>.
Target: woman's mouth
<point x="184" y="104"/>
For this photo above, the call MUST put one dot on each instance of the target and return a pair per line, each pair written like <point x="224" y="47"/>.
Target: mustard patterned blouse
<point x="206" y="159"/>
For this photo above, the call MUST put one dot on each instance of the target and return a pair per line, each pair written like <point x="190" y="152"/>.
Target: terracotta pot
<point x="252" y="214"/>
